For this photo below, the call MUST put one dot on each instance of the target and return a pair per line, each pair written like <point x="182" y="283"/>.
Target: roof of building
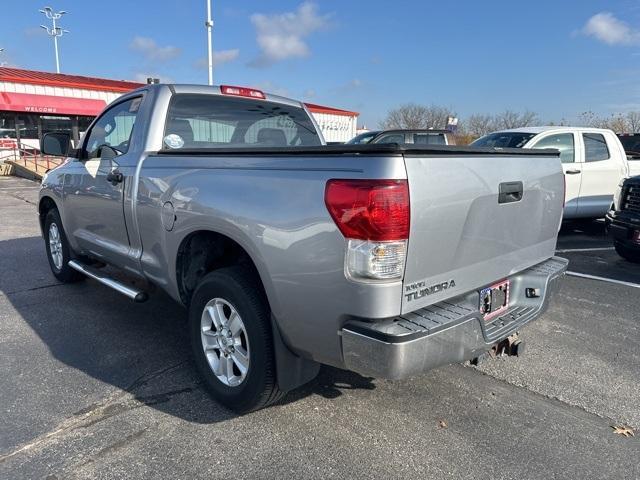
<point x="333" y="111"/>
<point x="18" y="75"/>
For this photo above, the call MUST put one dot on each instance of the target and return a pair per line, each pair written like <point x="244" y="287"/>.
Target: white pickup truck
<point x="593" y="160"/>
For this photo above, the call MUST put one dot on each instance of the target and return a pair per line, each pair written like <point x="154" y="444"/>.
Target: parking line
<point x="602" y="279"/>
<point x="594" y="249"/>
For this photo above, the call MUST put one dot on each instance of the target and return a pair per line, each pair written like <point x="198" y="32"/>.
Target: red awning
<point x="49" y="104"/>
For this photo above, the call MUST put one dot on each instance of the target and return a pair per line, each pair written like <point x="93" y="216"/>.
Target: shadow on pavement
<point x="142" y="349"/>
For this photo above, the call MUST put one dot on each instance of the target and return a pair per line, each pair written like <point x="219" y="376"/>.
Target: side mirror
<point x="57" y="144"/>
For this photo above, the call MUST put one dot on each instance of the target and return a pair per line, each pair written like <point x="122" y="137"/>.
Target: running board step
<point x="135" y="295"/>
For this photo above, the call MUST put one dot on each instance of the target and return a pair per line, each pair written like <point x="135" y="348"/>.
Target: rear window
<point x="504" y="140"/>
<point x="210" y="121"/>
<point x="595" y="147"/>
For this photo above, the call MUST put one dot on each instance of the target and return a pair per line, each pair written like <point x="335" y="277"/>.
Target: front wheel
<point x="630" y="254"/>
<point x="232" y="341"/>
<point x="58" y="250"/>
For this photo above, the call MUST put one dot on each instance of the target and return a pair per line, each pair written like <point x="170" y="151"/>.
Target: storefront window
<point x="28" y="127"/>
<point x="83" y="124"/>
<point x="56" y="124"/>
<point x="7" y="125"/>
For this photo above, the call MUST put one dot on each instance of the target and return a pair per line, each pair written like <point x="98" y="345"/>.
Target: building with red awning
<point x="33" y="103"/>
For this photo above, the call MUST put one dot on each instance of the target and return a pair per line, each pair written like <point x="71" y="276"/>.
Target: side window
<point x="595" y="147"/>
<point x="393" y="138"/>
<point x="429" y="139"/>
<point x="113" y="128"/>
<point x="563" y="142"/>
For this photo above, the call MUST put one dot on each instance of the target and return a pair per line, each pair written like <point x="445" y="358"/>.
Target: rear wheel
<point x="58" y="250"/>
<point x="232" y="341"/>
<point x="630" y="254"/>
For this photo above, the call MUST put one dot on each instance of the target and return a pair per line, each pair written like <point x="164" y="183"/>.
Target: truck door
<point x="571" y="166"/>
<point x="95" y="187"/>
<point x="602" y="170"/>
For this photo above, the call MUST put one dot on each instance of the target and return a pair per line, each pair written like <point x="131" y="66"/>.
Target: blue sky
<point x="557" y="58"/>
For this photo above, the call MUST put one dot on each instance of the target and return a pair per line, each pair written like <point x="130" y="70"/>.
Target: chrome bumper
<point x="447" y="332"/>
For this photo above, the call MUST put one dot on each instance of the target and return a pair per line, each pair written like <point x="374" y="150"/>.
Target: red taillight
<point x="376" y="210"/>
<point x="242" y="92"/>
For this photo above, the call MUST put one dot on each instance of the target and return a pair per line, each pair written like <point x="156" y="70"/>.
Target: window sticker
<point x="173" y="141"/>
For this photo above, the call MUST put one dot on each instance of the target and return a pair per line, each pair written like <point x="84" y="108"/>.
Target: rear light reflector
<point x="369" y="209"/>
<point x="242" y="92"/>
<point x="374" y="217"/>
<point x="375" y="260"/>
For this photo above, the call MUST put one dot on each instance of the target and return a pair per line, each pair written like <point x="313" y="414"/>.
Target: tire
<point x="629" y="254"/>
<point x="59" y="259"/>
<point x="218" y="295"/>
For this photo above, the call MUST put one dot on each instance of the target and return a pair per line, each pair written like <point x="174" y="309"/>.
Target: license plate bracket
<point x="494" y="300"/>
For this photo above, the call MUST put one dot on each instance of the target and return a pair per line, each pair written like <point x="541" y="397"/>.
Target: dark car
<point x="623" y="220"/>
<point x="400" y="136"/>
<point x="631" y="144"/>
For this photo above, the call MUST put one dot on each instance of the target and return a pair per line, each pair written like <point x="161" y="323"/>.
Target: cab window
<point x="113" y="129"/>
<point x="595" y="147"/>
<point x="563" y="142"/>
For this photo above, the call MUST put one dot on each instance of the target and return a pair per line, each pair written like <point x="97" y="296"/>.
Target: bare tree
<point x="633" y="121"/>
<point x="590" y="119"/>
<point x="618" y="123"/>
<point x="510" y="119"/>
<point x="412" y="115"/>
<point x="479" y="125"/>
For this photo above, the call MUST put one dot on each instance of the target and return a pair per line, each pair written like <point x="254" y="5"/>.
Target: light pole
<point x="55" y="31"/>
<point x="209" y="25"/>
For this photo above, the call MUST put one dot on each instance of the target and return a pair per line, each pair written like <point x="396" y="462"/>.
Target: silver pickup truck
<point x="386" y="260"/>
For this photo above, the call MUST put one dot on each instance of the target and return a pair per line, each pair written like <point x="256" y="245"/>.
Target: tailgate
<point x="462" y="238"/>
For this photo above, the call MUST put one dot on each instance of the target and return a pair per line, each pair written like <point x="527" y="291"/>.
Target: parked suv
<point x="623" y="220"/>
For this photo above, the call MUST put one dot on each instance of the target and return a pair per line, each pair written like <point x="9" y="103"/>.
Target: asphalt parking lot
<point x="93" y="386"/>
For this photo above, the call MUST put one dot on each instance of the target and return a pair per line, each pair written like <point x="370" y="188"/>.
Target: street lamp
<point x="55" y="31"/>
<point x="209" y="25"/>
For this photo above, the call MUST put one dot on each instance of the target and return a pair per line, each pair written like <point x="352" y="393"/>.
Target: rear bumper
<point x="447" y="332"/>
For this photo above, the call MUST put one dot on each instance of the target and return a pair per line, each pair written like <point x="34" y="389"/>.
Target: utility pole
<point x="55" y="31"/>
<point x="209" y="25"/>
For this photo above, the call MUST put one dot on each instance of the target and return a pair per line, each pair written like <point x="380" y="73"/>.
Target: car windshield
<point x="504" y="140"/>
<point x="362" y="138"/>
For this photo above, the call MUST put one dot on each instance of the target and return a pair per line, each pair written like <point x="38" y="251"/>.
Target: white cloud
<point x="605" y="27"/>
<point x="310" y="93"/>
<point x="219" y="57"/>
<point x="282" y="36"/>
<point x="152" y="51"/>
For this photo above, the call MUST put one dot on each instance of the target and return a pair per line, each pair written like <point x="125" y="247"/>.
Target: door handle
<point x="509" y="192"/>
<point x="114" y="177"/>
<point x="573" y="172"/>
